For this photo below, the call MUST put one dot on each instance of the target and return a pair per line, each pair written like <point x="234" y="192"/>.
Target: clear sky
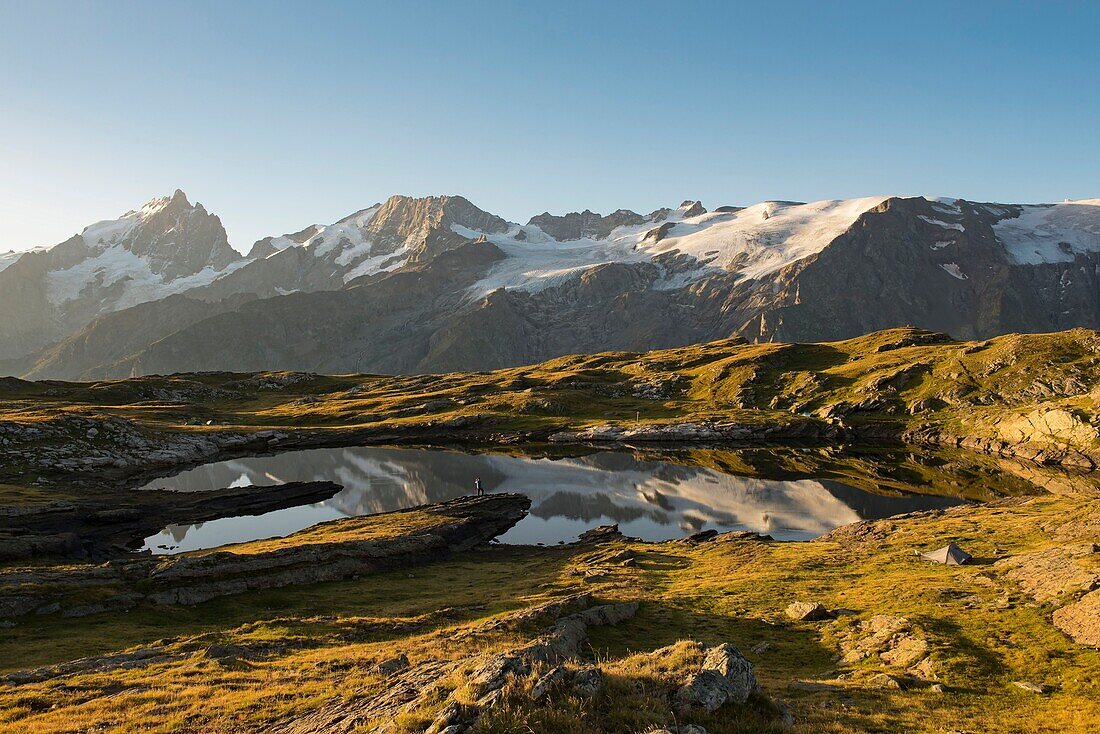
<point x="276" y="115"/>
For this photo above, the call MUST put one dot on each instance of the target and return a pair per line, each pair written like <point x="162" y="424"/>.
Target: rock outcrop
<point x="1081" y="620"/>
<point x="93" y="531"/>
<point x="326" y="552"/>
<point x="411" y="689"/>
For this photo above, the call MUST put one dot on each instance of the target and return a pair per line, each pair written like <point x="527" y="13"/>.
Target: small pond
<point x="650" y="498"/>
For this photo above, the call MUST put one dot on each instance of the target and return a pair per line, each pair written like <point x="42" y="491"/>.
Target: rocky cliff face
<point x="415" y="285"/>
<point x="942" y="266"/>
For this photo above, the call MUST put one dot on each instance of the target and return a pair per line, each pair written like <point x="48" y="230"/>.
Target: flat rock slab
<point x="1051" y="573"/>
<point x="1081" y="620"/>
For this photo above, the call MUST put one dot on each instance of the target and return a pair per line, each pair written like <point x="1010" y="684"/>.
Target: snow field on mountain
<point x="1046" y="233"/>
<point x="753" y="242"/>
<point x="132" y="274"/>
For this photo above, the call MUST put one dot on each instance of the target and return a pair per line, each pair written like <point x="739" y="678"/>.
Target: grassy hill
<point x="1033" y="396"/>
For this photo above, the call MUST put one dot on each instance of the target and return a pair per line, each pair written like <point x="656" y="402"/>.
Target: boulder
<point x="804" y="611"/>
<point x="392" y="665"/>
<point x="884" y="680"/>
<point x="725" y="676"/>
<point x="707" y="689"/>
<point x="727" y="660"/>
<point x="588" y="681"/>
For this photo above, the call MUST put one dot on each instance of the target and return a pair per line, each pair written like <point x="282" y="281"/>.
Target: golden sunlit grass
<point x="303" y="646"/>
<point x="309" y="644"/>
<point x="899" y="378"/>
<point x="366" y="528"/>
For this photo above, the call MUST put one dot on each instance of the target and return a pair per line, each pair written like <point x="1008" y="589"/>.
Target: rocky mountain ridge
<point x="430" y="284"/>
<point x="167" y="246"/>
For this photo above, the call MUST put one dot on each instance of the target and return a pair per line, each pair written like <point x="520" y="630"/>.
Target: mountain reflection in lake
<point x="650" y="499"/>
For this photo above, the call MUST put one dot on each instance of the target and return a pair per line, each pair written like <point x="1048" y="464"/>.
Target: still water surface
<point x="650" y="499"/>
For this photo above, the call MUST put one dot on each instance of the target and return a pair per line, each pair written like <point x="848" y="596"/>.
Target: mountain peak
<point x="692" y="208"/>
<point x="176" y="237"/>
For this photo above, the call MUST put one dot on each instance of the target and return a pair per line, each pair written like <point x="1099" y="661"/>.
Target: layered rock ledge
<point x="331" y="551"/>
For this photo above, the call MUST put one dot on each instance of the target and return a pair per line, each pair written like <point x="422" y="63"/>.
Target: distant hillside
<point x="1031" y="396"/>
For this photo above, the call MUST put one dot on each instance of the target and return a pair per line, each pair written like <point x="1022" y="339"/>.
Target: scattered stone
<point x="887" y="636"/>
<point x="925" y="670"/>
<point x="761" y="647"/>
<point x="601" y="534"/>
<point x="937" y="688"/>
<point x="905" y="651"/>
<point x="588" y="681"/>
<point x="804" y="611"/>
<point x="392" y="665"/>
<point x="543" y="685"/>
<point x="885" y="680"/>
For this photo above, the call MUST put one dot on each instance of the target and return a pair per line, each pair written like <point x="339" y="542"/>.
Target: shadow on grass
<point x="464" y="588"/>
<point x="639" y="688"/>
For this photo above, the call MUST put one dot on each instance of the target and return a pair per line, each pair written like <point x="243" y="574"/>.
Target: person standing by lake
<point x="478" y="490"/>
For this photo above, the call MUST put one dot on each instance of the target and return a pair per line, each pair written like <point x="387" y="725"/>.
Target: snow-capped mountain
<point x="423" y="284"/>
<point x="167" y="246"/>
<point x="376" y="240"/>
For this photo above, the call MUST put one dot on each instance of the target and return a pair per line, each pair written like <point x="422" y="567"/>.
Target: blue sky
<point x="278" y="115"/>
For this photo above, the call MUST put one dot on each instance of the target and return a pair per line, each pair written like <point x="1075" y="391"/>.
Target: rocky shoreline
<point x="89" y="530"/>
<point x="326" y="552"/>
<point x="69" y="449"/>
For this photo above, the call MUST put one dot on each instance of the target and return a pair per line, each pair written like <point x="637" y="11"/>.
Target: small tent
<point x="950" y="555"/>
